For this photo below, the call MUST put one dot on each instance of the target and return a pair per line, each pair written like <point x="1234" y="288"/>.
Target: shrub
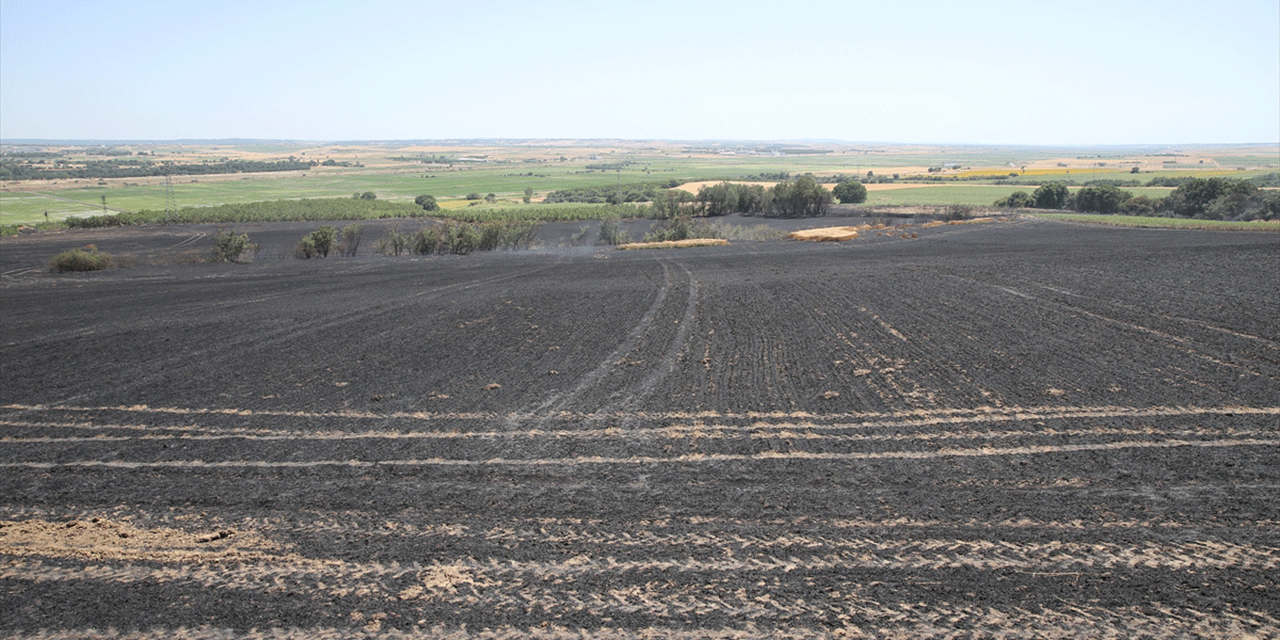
<point x="351" y="236"/>
<point x="473" y="196"/>
<point x="229" y="245"/>
<point x="465" y="239"/>
<point x="306" y="249"/>
<point x="1102" y="199"/>
<point x="427" y="241"/>
<point x="324" y="238"/>
<point x="428" y="203"/>
<point x="86" y="259"/>
<point x="681" y="227"/>
<point x="1016" y="200"/>
<point x="1052" y="195"/>
<point x="392" y="244"/>
<point x="611" y="231"/>
<point x="850" y="191"/>
<point x="316" y="244"/>
<point x="519" y="235"/>
<point x="958" y="212"/>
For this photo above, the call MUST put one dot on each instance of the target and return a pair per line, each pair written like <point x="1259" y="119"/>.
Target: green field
<point x="396" y="172"/>
<point x="1163" y="223"/>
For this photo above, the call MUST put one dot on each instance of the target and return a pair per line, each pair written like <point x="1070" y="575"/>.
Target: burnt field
<point x="1026" y="427"/>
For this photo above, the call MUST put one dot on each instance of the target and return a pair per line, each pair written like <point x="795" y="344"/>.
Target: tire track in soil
<point x="627" y="397"/>
<point x="682" y="592"/>
<point x="638" y="460"/>
<point x="947" y="622"/>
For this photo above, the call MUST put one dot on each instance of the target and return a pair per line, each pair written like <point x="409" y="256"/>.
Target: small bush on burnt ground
<point x="681" y="227"/>
<point x="349" y="240"/>
<point x="228" y="246"/>
<point x="611" y="231"/>
<point x="461" y="238"/>
<point x="757" y="232"/>
<point x="426" y="241"/>
<point x="316" y="244"/>
<point x="958" y="212"/>
<point x="394" y="243"/>
<point x="86" y="259"/>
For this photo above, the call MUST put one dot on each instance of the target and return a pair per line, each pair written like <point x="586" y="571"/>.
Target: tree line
<point x="802" y="196"/>
<point x="1199" y="198"/>
<point x="134" y="168"/>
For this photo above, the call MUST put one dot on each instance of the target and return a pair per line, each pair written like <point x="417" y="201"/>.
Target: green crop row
<point x="1163" y="223"/>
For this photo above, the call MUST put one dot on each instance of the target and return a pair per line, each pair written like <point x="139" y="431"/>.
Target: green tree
<point x="802" y="196"/>
<point x="1016" y="200"/>
<point x="850" y="191"/>
<point x="1102" y="199"/>
<point x="670" y="202"/>
<point x="428" y="203"/>
<point x="528" y="194"/>
<point x="1212" y="198"/>
<point x="1052" y="195"/>
<point x="319" y="243"/>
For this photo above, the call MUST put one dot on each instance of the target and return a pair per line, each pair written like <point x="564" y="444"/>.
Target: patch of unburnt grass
<point x="87" y="258"/>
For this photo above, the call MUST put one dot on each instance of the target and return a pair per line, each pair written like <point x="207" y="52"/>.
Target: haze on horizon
<point x="1057" y="72"/>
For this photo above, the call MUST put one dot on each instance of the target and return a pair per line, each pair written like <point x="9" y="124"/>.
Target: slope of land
<point x="1024" y="427"/>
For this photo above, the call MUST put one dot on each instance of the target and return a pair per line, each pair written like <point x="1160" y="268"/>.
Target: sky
<point x="1007" y="72"/>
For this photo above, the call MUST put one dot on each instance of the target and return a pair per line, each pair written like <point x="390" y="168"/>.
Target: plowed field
<point x="1023" y="428"/>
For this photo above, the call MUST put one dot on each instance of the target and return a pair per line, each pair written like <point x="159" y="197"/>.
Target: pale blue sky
<point x="983" y="72"/>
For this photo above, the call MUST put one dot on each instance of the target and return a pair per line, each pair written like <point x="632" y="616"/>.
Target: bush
<point x="316" y="244"/>
<point x="612" y="233"/>
<point x="1103" y="199"/>
<point x="519" y="235"/>
<point x="306" y="249"/>
<point x="86" y="259"/>
<point x="392" y="244"/>
<point x="229" y="245"/>
<point x="466" y="239"/>
<point x="428" y="203"/>
<point x="473" y="196"/>
<point x="427" y="241"/>
<point x="850" y="191"/>
<point x="681" y="227"/>
<point x="958" y="212"/>
<point x="1052" y="195"/>
<point x="351" y="236"/>
<point x="1016" y="200"/>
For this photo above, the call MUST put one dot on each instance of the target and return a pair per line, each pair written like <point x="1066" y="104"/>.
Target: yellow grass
<point x="675" y="244"/>
<point x="825" y="234"/>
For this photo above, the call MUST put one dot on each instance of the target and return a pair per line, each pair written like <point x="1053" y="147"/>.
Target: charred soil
<point x="1021" y="427"/>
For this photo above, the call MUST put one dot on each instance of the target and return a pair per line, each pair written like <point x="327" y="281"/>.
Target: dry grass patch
<point x="825" y="234"/>
<point x="675" y="244"/>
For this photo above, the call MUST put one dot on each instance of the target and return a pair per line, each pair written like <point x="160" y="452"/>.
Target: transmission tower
<point x="170" y="203"/>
